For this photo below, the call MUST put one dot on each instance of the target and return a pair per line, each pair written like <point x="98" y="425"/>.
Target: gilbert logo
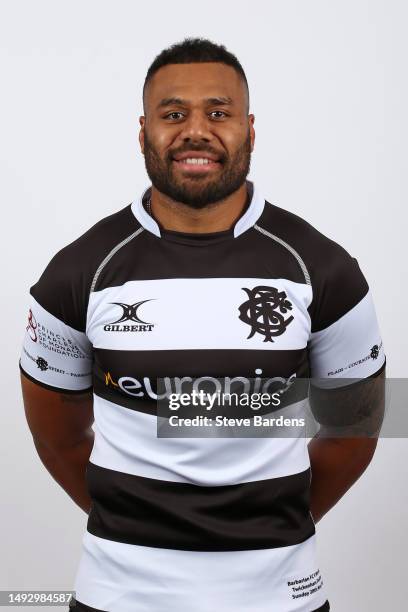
<point x="129" y="313"/>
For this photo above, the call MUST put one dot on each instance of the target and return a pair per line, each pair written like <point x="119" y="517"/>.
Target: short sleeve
<point x="56" y="352"/>
<point x="345" y="343"/>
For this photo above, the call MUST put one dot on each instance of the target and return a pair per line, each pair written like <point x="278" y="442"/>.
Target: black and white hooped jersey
<point x="197" y="524"/>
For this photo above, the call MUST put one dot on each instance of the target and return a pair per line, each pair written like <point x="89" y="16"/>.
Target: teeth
<point x="196" y="160"/>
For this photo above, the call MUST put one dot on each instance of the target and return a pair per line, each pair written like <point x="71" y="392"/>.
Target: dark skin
<point x="350" y="420"/>
<point x="221" y="127"/>
<point x="61" y="423"/>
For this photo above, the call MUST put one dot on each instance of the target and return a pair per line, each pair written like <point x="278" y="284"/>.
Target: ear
<point x="251" y="121"/>
<point x="141" y="133"/>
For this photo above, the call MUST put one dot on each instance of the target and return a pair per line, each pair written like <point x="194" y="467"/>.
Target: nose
<point x="196" y="127"/>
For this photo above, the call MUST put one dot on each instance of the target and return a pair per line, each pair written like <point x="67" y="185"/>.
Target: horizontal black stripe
<point x="297" y="392"/>
<point x="268" y="513"/>
<point x="110" y="365"/>
<point x="77" y="606"/>
<point x="200" y="362"/>
<point x="149" y="257"/>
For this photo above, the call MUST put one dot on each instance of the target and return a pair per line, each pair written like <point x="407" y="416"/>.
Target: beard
<point x="198" y="191"/>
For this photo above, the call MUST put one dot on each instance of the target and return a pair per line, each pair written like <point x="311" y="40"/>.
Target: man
<point x="199" y="277"/>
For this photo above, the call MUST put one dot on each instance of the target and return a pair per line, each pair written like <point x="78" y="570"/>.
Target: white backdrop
<point x="329" y="92"/>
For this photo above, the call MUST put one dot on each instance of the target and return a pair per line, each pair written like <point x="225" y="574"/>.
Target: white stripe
<point x="290" y="249"/>
<point x="55" y="353"/>
<point x="195" y="313"/>
<point x="342" y="351"/>
<point x="126" y="441"/>
<point x="126" y="577"/>
<point x="111" y="254"/>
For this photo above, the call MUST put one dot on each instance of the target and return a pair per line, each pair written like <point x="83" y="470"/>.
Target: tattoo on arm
<point x="352" y="411"/>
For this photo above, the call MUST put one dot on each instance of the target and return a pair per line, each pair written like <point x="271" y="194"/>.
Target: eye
<point x="220" y="113"/>
<point x="171" y="115"/>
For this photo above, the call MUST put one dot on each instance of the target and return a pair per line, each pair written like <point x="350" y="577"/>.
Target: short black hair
<point x="195" y="50"/>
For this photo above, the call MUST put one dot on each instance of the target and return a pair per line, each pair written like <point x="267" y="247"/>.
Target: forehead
<point x="194" y="83"/>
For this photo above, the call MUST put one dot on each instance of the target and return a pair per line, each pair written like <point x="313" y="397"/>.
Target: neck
<point x="217" y="217"/>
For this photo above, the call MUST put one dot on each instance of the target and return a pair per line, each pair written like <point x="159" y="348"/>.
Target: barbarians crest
<point x="375" y="351"/>
<point x="264" y="311"/>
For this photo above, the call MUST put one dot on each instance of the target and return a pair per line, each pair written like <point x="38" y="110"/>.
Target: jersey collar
<point x="248" y="219"/>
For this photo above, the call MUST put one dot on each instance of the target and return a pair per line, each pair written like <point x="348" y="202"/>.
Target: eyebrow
<point x="219" y="100"/>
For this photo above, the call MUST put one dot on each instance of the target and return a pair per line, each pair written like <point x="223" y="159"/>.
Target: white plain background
<point x="329" y="92"/>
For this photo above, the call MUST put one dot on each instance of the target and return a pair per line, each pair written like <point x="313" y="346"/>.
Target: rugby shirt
<point x="197" y="523"/>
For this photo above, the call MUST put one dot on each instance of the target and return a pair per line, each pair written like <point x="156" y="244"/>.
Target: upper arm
<point x="56" y="356"/>
<point x="345" y="342"/>
<point x="354" y="410"/>
<point x="57" y="420"/>
<point x="347" y="359"/>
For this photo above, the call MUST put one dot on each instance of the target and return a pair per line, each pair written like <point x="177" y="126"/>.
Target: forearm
<point x="336" y="464"/>
<point x="68" y="467"/>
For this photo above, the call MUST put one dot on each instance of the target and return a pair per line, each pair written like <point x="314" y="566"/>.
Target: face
<point x="196" y="135"/>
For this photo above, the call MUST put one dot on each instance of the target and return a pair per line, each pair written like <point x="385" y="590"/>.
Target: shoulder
<point x="63" y="288"/>
<point x="303" y="237"/>
<point x="93" y="244"/>
<point x="337" y="281"/>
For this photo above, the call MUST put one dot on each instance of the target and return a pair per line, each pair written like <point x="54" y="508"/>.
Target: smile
<point x="197" y="160"/>
<point x="197" y="164"/>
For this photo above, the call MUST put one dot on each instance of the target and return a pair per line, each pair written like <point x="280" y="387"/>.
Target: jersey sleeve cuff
<point x="52" y="388"/>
